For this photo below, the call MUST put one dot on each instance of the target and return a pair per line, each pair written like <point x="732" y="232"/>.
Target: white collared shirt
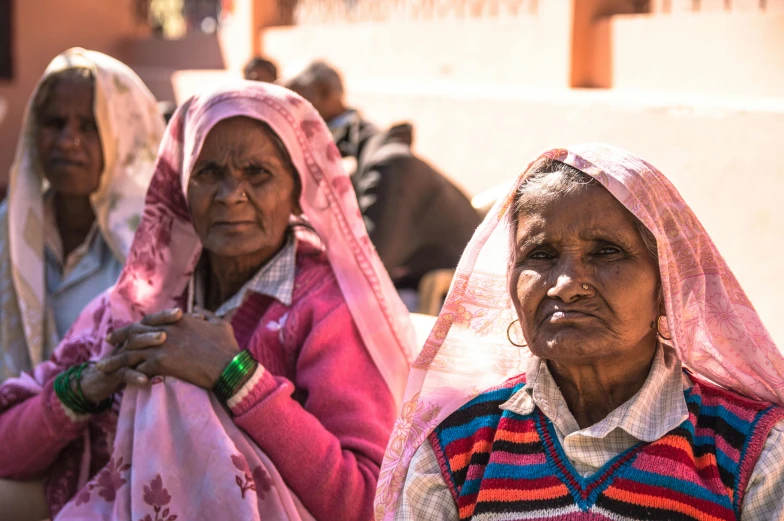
<point x="73" y="281"/>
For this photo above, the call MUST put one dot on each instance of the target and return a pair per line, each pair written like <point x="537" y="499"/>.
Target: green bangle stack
<point x="232" y="378"/>
<point x="75" y="400"/>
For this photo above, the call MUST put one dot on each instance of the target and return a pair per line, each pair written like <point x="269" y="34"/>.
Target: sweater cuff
<point x="257" y="388"/>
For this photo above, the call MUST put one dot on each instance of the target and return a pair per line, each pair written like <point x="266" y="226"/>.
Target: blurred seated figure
<point x="417" y="219"/>
<point x="261" y="69"/>
<point x="76" y="190"/>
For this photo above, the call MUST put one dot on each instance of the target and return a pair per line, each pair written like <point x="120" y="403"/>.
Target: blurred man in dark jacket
<point x="417" y="219"/>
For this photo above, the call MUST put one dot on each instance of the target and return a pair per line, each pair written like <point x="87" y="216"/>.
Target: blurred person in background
<point x="322" y="86"/>
<point x="83" y="163"/>
<point x="417" y="219"/>
<point x="218" y="379"/>
<point x="261" y="69"/>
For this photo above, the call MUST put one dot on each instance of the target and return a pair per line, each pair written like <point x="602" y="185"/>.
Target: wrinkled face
<point x="566" y="243"/>
<point x="67" y="140"/>
<point x="241" y="191"/>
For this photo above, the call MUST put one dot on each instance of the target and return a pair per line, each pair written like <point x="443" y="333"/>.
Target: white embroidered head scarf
<point x="130" y="129"/>
<point x="712" y="323"/>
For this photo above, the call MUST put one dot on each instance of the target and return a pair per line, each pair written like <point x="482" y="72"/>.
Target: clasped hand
<point x="195" y="348"/>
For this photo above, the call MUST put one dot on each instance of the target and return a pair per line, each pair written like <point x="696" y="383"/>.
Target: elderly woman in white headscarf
<point x="84" y="160"/>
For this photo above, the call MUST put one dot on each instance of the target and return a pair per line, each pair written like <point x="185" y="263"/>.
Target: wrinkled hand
<point x="98" y="386"/>
<point x="195" y="348"/>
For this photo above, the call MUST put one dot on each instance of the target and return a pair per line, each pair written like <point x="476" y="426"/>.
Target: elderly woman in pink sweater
<point x="250" y="360"/>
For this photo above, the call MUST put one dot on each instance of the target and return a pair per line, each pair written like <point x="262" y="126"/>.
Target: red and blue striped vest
<point x="505" y="466"/>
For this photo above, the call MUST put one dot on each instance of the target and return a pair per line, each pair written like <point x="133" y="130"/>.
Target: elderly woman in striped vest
<point x="595" y="359"/>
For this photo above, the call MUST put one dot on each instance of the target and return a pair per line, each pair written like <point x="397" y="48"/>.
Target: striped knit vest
<point x="500" y="465"/>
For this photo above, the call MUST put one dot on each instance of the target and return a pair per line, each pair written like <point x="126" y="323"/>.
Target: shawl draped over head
<point x="712" y="324"/>
<point x="130" y="130"/>
<point x="174" y="439"/>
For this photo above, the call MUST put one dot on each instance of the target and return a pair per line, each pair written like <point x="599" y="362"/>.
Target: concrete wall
<point x="43" y="29"/>
<point x="714" y="54"/>
<point x="528" y="50"/>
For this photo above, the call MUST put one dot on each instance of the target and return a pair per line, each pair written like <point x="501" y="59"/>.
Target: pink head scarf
<point x="173" y="440"/>
<point x="713" y="326"/>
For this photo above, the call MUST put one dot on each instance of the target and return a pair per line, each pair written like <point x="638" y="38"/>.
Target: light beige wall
<point x="528" y="50"/>
<point x="43" y="29"/>
<point x="728" y="54"/>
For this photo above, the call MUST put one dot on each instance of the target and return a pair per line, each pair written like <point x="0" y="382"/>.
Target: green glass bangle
<point x="234" y="374"/>
<point x="75" y="400"/>
<point x="64" y="390"/>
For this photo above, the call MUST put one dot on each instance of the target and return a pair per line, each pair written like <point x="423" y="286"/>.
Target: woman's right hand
<point x="98" y="385"/>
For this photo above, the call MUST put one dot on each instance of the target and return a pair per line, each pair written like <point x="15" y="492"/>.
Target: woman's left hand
<point x="195" y="348"/>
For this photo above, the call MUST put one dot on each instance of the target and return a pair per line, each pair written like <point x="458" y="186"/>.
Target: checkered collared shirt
<point x="657" y="408"/>
<point x="275" y="279"/>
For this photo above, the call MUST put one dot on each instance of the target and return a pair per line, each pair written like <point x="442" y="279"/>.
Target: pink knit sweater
<point x="321" y="411"/>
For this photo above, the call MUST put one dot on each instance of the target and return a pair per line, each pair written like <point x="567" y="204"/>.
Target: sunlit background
<point x="694" y="86"/>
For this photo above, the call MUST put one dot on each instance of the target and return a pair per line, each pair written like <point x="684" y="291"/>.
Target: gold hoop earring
<point x="658" y="330"/>
<point x="508" y="336"/>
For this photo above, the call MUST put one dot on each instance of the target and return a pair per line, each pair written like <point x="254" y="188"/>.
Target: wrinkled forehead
<point x="554" y="210"/>
<point x="272" y="108"/>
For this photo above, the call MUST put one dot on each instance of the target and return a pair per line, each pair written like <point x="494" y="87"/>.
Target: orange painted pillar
<point x="591" y="41"/>
<point x="241" y="23"/>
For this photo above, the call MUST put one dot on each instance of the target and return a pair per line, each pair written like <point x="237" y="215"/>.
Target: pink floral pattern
<point x="721" y="314"/>
<point x="417" y="419"/>
<point x="107" y="482"/>
<point x="342" y="185"/>
<point x="258" y="481"/>
<point x="262" y="480"/>
<point x="158" y="497"/>
<point x="245" y="479"/>
<point x="310" y="128"/>
<point x="333" y="154"/>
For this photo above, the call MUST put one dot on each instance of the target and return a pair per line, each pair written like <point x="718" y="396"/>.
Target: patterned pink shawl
<point x="175" y="445"/>
<point x="713" y="326"/>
